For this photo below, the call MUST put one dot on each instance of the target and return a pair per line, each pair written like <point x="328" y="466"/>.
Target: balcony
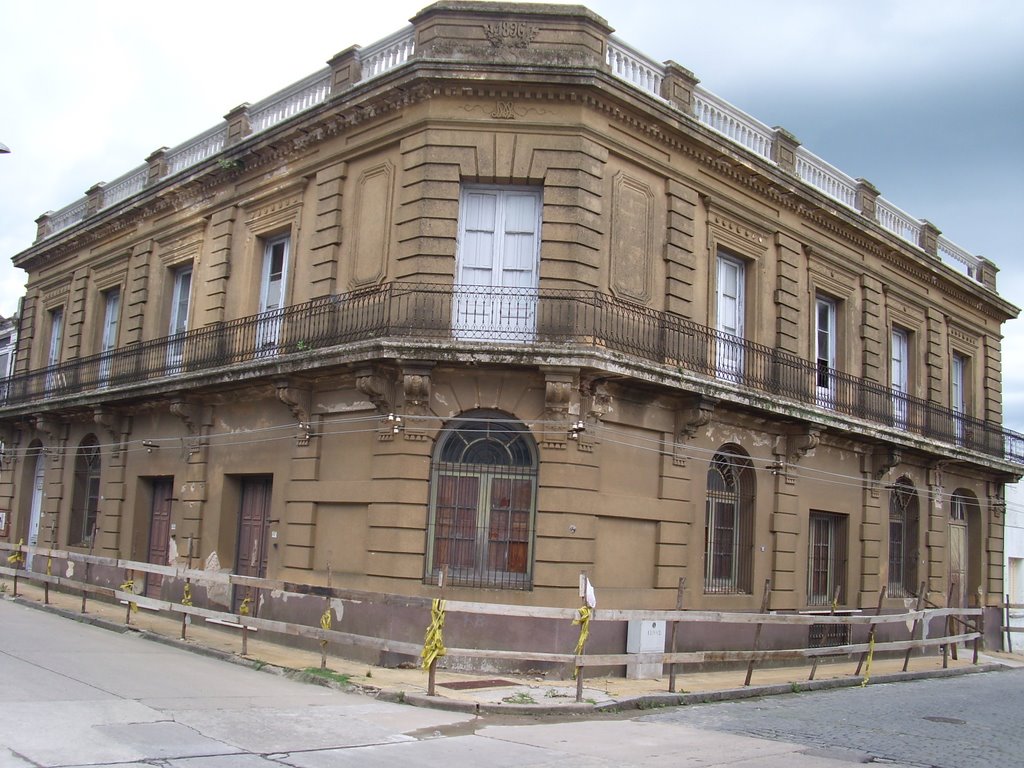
<point x="529" y="322"/>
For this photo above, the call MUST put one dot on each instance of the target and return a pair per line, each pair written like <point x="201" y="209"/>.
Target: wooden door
<point x="159" y="532"/>
<point x="253" y="534"/>
<point x="958" y="564"/>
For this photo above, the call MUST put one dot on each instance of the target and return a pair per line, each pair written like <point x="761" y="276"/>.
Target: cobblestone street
<point x="967" y="722"/>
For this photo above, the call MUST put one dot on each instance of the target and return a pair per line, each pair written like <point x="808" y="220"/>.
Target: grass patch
<point x="327" y="674"/>
<point x="520" y="697"/>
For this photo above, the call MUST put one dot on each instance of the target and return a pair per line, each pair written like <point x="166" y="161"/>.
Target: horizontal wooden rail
<point x="200" y="577"/>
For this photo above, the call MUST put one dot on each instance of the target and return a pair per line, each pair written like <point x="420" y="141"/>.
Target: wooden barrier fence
<point x="969" y="618"/>
<point x="1008" y="628"/>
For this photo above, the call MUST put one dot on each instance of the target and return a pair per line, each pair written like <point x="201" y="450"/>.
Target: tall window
<point x="729" y="316"/>
<point x="903" y="527"/>
<point x="108" y="333"/>
<point x="826" y="561"/>
<point x="497" y="265"/>
<point x="272" y="284"/>
<point x="53" y="378"/>
<point x="729" y="523"/>
<point x="85" y="497"/>
<point x="181" y="292"/>
<point x="483" y="503"/>
<point x="958" y="395"/>
<point x="899" y="374"/>
<point x="825" y="349"/>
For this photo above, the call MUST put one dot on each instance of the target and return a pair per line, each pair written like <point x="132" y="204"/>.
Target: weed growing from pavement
<point x="327" y="674"/>
<point x="520" y="697"/>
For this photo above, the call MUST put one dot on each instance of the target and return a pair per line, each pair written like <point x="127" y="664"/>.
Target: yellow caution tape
<point x="325" y="620"/>
<point x="433" y="642"/>
<point x="583" y="620"/>
<point x="129" y="586"/>
<point x="186" y="595"/>
<point x="49" y="566"/>
<point x="871" y="654"/>
<point x="243" y="609"/>
<point x="17" y="558"/>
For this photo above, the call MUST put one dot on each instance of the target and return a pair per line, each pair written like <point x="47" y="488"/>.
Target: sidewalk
<point x="494" y="693"/>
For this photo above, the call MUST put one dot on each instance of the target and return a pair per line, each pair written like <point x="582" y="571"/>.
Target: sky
<point x="923" y="98"/>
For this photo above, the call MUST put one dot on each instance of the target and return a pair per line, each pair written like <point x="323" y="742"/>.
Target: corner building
<point x="500" y="297"/>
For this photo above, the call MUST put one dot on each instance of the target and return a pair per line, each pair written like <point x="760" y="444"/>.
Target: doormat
<point x="467" y="685"/>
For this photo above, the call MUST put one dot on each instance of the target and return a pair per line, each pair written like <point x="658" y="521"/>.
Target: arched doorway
<point x="483" y="502"/>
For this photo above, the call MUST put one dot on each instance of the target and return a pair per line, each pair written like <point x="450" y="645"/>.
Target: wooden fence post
<point x="92" y="543"/>
<point x="913" y="630"/>
<point x="757" y="631"/>
<point x="980" y="627"/>
<point x="442" y="582"/>
<point x="871" y="632"/>
<point x="1006" y="625"/>
<point x="673" y="633"/>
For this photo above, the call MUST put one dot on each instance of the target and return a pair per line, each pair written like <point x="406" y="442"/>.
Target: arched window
<point x="729" y="524"/>
<point x="85" y="497"/>
<point x="903" y="526"/>
<point x="483" y="503"/>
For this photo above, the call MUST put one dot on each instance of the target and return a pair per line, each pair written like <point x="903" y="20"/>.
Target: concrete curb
<point x="416" y="699"/>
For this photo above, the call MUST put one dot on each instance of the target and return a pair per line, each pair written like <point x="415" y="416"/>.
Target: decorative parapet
<point x="630" y="65"/>
<point x="125" y="186"/>
<point x="289" y="102"/>
<point x="737" y="126"/>
<point x="900" y="223"/>
<point x="929" y="238"/>
<point x="826" y="178"/>
<point x="94" y="199"/>
<point x="867" y="199"/>
<point x="550" y="35"/>
<point x="387" y="54"/>
<point x="239" y="125"/>
<point x="156" y="166"/>
<point x="196" y="150"/>
<point x="784" y="149"/>
<point x="678" y="85"/>
<point x="345" y="69"/>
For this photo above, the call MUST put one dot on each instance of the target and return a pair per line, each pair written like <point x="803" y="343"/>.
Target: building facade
<point x="499" y="297"/>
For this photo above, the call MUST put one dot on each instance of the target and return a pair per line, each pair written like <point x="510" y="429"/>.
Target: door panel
<point x="497" y="270"/>
<point x="36" y="509"/>
<point x="159" y="532"/>
<point x="730" y="317"/>
<point x="958" y="564"/>
<point x="253" y="533"/>
<point x="455" y="537"/>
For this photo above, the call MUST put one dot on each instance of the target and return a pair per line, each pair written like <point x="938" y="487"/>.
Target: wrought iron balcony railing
<point x="524" y="318"/>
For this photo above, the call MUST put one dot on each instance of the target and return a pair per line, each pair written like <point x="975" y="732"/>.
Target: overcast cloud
<point x="924" y="98"/>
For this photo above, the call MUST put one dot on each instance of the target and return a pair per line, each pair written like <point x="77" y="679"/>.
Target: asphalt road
<point x="72" y="694"/>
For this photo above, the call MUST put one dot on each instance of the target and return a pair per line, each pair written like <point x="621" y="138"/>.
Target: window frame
<point x="85" y="496"/>
<point x="472" y="515"/>
<point x="730" y="332"/>
<point x="504" y="306"/>
<point x="825" y="365"/>
<point x="899" y="339"/>
<point x="178" y="321"/>
<point x="903" y="539"/>
<point x="730" y="494"/>
<point x="827" y="556"/>
<point x="268" y="327"/>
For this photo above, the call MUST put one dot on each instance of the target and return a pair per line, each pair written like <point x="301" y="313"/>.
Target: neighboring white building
<point x="1013" y="553"/>
<point x="8" y="339"/>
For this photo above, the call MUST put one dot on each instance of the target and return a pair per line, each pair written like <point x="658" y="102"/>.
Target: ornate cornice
<point x="584" y="85"/>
